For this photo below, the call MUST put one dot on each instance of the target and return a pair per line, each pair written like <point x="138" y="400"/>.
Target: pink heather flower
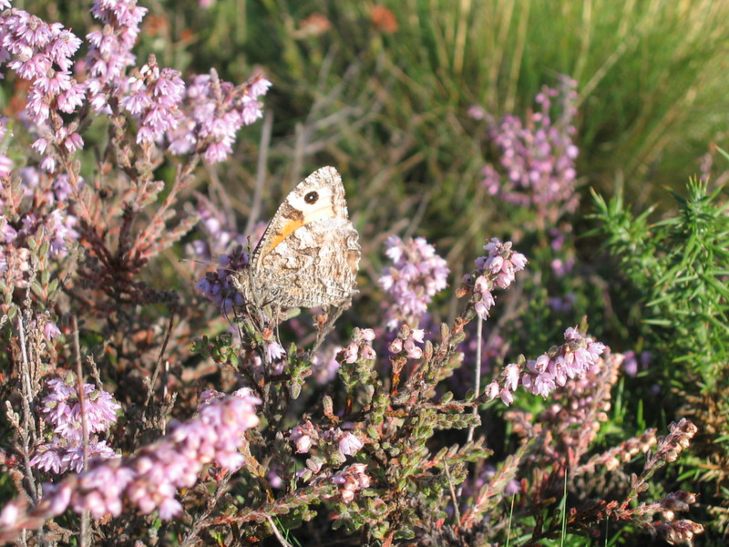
<point x="274" y="351"/>
<point x="41" y="53"/>
<point x="495" y="270"/>
<point x="153" y="98"/>
<point x="324" y="364"/>
<point x="537" y="157"/>
<point x="151" y="477"/>
<point x="61" y="409"/>
<point x="351" y="480"/>
<point x="10" y="513"/>
<point x="492" y="391"/>
<point x="562" y="267"/>
<point x="349" y="444"/>
<point x="214" y="112"/>
<point x="110" y="49"/>
<point x="415" y="277"/>
<point x="360" y="348"/>
<point x="6" y="164"/>
<point x="407" y="340"/>
<point x="577" y="357"/>
<point x="476" y="112"/>
<point x="506" y="396"/>
<point x="511" y="377"/>
<point x="304" y="437"/>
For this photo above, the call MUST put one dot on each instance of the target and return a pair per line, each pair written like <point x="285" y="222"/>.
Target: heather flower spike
<point x="417" y="274"/>
<point x="61" y="409"/>
<point x="579" y="355"/>
<point x="497" y="269"/>
<point x="150" y="478"/>
<point x="537" y="157"/>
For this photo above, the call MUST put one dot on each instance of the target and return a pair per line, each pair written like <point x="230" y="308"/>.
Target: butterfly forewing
<point x="309" y="254"/>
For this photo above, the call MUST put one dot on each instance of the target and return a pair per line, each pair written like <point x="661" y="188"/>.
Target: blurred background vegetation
<point x="381" y="90"/>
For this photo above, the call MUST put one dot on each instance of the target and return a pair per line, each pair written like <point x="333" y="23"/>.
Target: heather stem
<point x="277" y="533"/>
<point x="83" y="535"/>
<point x="27" y="398"/>
<point x="477" y="389"/>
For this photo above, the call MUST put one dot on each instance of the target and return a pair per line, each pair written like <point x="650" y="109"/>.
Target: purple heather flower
<point x="537" y="157"/>
<point x="51" y="331"/>
<point x="218" y="287"/>
<point x="220" y="235"/>
<point x="60" y="226"/>
<point x="630" y="363"/>
<point x="324" y="364"/>
<point x="415" y="277"/>
<point x="274" y="351"/>
<point x="633" y="363"/>
<point x="62" y="409"/>
<point x="562" y="304"/>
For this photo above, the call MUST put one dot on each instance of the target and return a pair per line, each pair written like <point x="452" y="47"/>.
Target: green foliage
<point x="677" y="270"/>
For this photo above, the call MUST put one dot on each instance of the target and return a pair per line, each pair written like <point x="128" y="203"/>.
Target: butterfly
<point x="309" y="253"/>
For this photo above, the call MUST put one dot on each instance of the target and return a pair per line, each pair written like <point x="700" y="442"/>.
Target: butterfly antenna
<point x="197" y="261"/>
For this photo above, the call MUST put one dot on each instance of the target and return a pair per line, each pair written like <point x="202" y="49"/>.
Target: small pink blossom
<point x="351" y="480"/>
<point x="349" y="444"/>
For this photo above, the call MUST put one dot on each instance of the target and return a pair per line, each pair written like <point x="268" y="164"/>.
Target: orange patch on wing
<point x="289" y="228"/>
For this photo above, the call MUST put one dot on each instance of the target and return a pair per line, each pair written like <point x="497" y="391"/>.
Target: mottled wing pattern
<point x="309" y="254"/>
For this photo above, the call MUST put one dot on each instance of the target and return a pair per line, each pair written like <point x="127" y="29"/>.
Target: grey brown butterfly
<point x="309" y="254"/>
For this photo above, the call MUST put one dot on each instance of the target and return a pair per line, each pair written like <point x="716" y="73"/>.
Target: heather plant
<point x="454" y="402"/>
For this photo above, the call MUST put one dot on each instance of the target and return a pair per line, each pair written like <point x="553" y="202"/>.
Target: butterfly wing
<point x="309" y="254"/>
